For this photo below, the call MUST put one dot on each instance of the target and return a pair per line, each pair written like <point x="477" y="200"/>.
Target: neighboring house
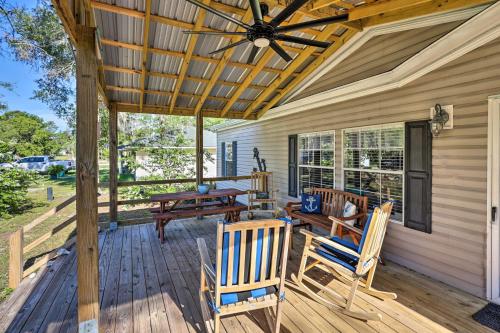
<point x="142" y="156"/>
<point x="355" y="124"/>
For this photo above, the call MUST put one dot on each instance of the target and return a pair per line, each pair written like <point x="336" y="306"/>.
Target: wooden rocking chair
<point x="351" y="264"/>
<point x="249" y="273"/>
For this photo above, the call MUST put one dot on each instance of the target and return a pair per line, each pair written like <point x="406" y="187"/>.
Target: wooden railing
<point x="17" y="249"/>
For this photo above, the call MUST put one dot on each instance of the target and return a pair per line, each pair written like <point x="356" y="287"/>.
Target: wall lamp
<point x="438" y="120"/>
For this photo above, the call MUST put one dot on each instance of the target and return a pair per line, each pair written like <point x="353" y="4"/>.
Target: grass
<point x="63" y="188"/>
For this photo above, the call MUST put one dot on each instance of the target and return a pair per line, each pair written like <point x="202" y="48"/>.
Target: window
<point x="374" y="165"/>
<point x="229" y="158"/>
<point x="316" y="161"/>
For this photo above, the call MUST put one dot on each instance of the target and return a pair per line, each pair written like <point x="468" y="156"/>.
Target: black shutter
<point x="292" y="165"/>
<point x="223" y="159"/>
<point x="235" y="158"/>
<point x="418" y="176"/>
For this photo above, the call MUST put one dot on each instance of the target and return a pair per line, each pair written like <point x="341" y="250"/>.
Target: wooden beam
<point x="16" y="261"/>
<point x="156" y="109"/>
<point x="383" y="8"/>
<point x="325" y="3"/>
<point x="86" y="176"/>
<point x="113" y="163"/>
<point x="433" y="7"/>
<point x="169" y="93"/>
<point x="268" y="54"/>
<point x="199" y="148"/>
<point x="221" y="65"/>
<point x="304" y="74"/>
<point x="187" y="58"/>
<point x="182" y="54"/>
<point x="292" y="66"/>
<point x="145" y="46"/>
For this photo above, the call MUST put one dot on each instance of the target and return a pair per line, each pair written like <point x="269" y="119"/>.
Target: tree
<point x="14" y="184"/>
<point x="36" y="37"/>
<point x="23" y="134"/>
<point x="5" y="86"/>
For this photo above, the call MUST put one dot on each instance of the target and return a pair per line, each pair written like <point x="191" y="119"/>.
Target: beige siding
<point x="379" y="55"/>
<point x="455" y="251"/>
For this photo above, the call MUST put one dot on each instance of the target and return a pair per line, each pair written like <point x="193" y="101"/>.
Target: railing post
<point x="113" y="164"/>
<point x="16" y="241"/>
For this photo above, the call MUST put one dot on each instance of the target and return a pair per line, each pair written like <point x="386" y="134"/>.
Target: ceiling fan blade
<point x="287" y="12"/>
<point x="253" y="53"/>
<point x="230" y="46"/>
<point x="215" y="33"/>
<point x="257" y="13"/>
<point x="299" y="40"/>
<point x="282" y="53"/>
<point x="218" y="13"/>
<point x="313" y="23"/>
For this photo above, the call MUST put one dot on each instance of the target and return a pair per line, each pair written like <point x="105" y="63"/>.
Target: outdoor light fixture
<point x="438" y="120"/>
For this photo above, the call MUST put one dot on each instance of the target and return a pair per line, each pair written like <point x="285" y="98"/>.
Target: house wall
<point x="455" y="251"/>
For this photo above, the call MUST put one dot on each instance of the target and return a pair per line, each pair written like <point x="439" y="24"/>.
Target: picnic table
<point x="179" y="205"/>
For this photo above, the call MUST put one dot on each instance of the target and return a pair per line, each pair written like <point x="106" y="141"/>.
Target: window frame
<point x="299" y="165"/>
<point x="379" y="171"/>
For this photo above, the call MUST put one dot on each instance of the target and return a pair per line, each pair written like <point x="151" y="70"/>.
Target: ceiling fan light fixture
<point x="261" y="42"/>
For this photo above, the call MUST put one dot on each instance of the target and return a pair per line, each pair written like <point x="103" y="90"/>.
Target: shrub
<point x="54" y="170"/>
<point x="14" y="184"/>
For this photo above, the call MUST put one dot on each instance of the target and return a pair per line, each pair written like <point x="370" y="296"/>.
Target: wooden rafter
<point x="383" y="7"/>
<point x="303" y="75"/>
<point x="268" y="54"/>
<point x="155" y="109"/>
<point x="187" y="59"/>
<point x="182" y="24"/>
<point x="170" y="93"/>
<point x="182" y="54"/>
<point x="292" y="66"/>
<point x="221" y="65"/>
<point x="325" y="3"/>
<point x="175" y="76"/>
<point x="145" y="46"/>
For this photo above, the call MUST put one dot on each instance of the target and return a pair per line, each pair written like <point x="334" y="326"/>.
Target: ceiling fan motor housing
<point x="261" y="34"/>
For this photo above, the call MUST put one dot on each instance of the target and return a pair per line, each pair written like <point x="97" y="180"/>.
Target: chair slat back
<point x="333" y="201"/>
<point x="375" y="232"/>
<point x="250" y="254"/>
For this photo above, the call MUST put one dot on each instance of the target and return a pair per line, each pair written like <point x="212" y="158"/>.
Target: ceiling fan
<point x="264" y="34"/>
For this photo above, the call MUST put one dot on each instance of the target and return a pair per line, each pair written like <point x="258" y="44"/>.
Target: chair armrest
<point x="292" y="203"/>
<point x="354" y="217"/>
<point x="337" y="246"/>
<point x="337" y="221"/>
<point x="206" y="263"/>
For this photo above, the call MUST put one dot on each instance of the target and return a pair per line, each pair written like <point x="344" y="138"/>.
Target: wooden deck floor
<point x="142" y="292"/>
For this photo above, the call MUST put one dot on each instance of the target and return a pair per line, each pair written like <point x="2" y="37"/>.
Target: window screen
<point x="316" y="161"/>
<point x="374" y="165"/>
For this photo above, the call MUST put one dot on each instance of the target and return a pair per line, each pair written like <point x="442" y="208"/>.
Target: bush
<point x="54" y="170"/>
<point x="145" y="192"/>
<point x="14" y="184"/>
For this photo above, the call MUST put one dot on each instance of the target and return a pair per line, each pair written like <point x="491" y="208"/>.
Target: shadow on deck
<point x="148" y="287"/>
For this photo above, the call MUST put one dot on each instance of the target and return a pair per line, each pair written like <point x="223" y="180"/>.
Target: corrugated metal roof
<point x="165" y="38"/>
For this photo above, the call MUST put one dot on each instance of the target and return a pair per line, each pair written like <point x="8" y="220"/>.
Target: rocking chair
<point x="249" y="273"/>
<point x="351" y="264"/>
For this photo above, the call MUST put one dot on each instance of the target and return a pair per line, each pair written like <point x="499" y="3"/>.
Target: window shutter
<point x="235" y="159"/>
<point x="223" y="159"/>
<point x="418" y="176"/>
<point x="292" y="165"/>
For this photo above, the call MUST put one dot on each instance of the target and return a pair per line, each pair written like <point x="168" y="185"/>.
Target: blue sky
<point x="23" y="77"/>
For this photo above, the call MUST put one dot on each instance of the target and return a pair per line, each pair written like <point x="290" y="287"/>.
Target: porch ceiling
<point x="173" y="73"/>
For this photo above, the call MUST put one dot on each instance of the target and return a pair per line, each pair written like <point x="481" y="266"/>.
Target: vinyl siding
<point x="455" y="252"/>
<point x="377" y="56"/>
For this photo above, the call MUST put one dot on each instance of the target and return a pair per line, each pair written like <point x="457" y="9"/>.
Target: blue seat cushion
<point x="336" y="257"/>
<point x="230" y="298"/>
<point x="345" y="242"/>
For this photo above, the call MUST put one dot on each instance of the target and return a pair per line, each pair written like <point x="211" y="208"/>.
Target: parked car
<point x="39" y="164"/>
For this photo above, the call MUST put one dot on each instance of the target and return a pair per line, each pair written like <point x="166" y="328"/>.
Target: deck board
<point x="146" y="286"/>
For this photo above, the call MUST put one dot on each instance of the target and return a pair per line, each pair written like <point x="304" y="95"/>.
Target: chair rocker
<point x="249" y="272"/>
<point x="351" y="264"/>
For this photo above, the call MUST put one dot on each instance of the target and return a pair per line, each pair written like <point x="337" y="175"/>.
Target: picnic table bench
<point x="174" y="206"/>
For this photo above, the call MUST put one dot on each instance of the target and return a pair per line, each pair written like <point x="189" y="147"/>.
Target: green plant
<point x="54" y="170"/>
<point x="14" y="184"/>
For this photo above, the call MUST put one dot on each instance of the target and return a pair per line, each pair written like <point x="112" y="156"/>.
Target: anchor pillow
<point x="311" y="203"/>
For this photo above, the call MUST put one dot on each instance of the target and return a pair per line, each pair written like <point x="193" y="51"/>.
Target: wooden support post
<point x="199" y="148"/>
<point x="86" y="178"/>
<point x="16" y="244"/>
<point x="113" y="163"/>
